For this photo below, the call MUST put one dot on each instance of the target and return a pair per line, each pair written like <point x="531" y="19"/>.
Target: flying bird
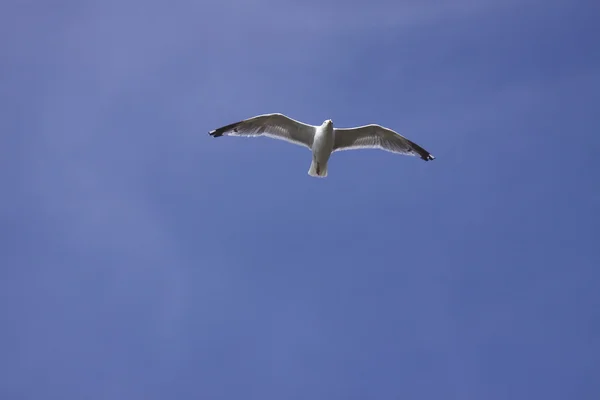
<point x="324" y="139"/>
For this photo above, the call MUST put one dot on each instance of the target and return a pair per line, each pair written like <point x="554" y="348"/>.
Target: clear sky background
<point x="142" y="259"/>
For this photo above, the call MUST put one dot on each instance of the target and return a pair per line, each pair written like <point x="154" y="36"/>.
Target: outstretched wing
<point x="377" y="137"/>
<point x="276" y="126"/>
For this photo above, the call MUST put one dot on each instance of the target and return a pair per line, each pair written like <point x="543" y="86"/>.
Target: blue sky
<point x="142" y="259"/>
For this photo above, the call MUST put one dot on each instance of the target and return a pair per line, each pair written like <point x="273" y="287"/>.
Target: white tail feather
<point x="321" y="168"/>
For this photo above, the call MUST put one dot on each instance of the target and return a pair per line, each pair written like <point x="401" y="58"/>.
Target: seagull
<point x="323" y="140"/>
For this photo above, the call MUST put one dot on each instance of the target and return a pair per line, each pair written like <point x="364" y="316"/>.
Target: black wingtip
<point x="220" y="131"/>
<point x="424" y="154"/>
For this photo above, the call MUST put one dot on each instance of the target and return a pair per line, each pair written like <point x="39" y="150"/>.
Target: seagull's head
<point x="328" y="122"/>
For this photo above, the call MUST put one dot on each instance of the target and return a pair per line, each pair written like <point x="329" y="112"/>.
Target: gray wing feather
<point x="276" y="126"/>
<point x="377" y="137"/>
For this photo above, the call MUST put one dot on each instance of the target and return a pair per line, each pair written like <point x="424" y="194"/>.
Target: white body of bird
<point x="321" y="149"/>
